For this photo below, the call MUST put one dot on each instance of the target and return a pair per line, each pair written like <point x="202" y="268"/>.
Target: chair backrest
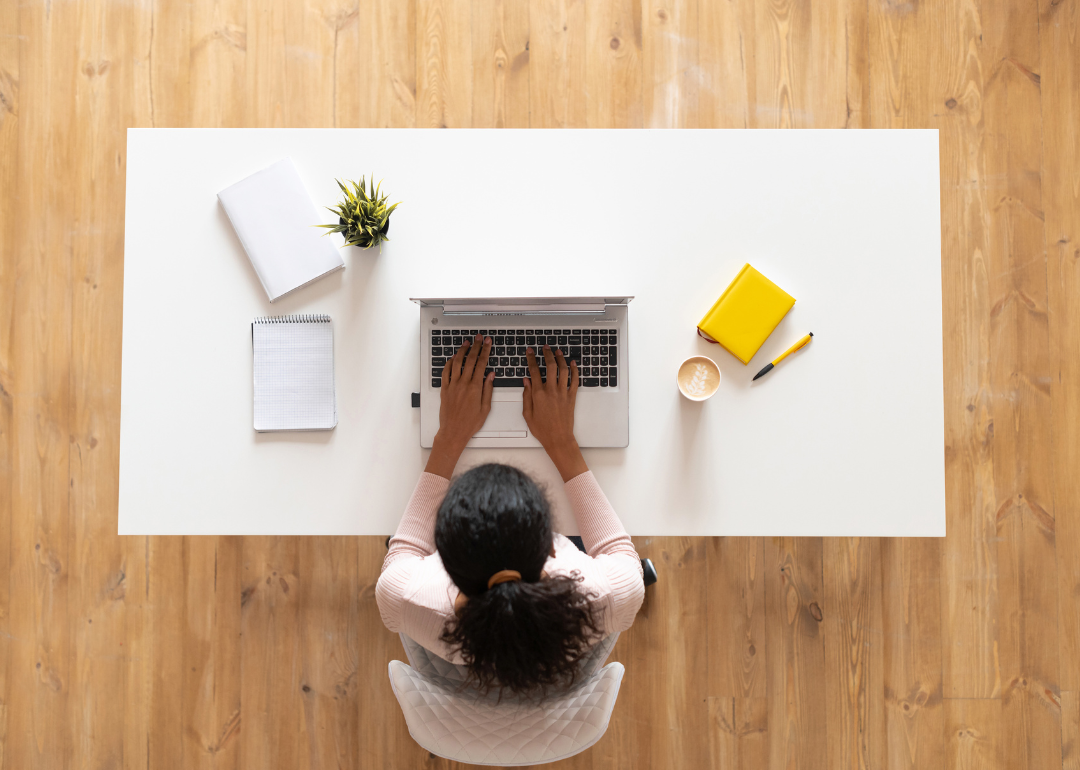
<point x="467" y="727"/>
<point x="432" y="666"/>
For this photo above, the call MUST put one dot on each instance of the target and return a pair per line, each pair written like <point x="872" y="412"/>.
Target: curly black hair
<point x="529" y="635"/>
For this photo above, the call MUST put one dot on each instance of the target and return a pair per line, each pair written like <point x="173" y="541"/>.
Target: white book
<point x="275" y="219"/>
<point x="294" y="373"/>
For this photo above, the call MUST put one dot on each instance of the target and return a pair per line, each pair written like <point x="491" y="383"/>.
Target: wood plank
<point x="348" y="71"/>
<point x="265" y="67"/>
<point x="665" y="658"/>
<point x="974" y="730"/>
<point x="104" y="88"/>
<point x="727" y="68"/>
<point x="137" y="653"/>
<point x="500" y="67"/>
<point x="168" y="64"/>
<point x="835" y="79"/>
<point x="270" y="665"/>
<point x="735" y="579"/>
<point x="329" y="629"/>
<point x="878" y="743"/>
<point x="9" y="240"/>
<point x="387" y="57"/>
<point x="164" y="646"/>
<point x="738" y="732"/>
<point x="783" y="33"/>
<point x="1059" y="31"/>
<point x="1070" y="730"/>
<point x="1020" y="377"/>
<point x="39" y="729"/>
<point x="795" y="654"/>
<point x="811" y="65"/>
<point x="853" y="652"/>
<point x="557" y="72"/>
<point x="613" y="62"/>
<point x="210" y="642"/>
<point x="670" y="73"/>
<point x="310" y="32"/>
<point x="911" y="626"/>
<point x="444" y="63"/>
<point x="217" y="64"/>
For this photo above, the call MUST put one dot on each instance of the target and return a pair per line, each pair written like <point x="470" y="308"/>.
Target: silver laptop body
<point x="601" y="416"/>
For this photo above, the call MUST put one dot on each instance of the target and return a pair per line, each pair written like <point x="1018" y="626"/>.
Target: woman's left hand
<point x="465" y="401"/>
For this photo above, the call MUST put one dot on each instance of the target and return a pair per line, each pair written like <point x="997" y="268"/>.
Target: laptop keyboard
<point x="595" y="351"/>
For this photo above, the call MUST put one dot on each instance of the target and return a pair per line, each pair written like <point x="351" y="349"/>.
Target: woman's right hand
<point x="548" y="408"/>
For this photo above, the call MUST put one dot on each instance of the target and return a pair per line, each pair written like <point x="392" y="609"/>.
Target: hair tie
<point x="504" y="576"/>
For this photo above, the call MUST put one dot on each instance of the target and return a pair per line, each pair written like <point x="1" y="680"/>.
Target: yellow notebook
<point x="746" y="314"/>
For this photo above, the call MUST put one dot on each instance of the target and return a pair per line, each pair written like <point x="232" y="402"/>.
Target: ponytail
<point x="526" y="635"/>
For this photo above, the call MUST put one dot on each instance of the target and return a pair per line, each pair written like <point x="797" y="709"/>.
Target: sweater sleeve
<point x="607" y="541"/>
<point x="414" y="540"/>
<point x="415" y="534"/>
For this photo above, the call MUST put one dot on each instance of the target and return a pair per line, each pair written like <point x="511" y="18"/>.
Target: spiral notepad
<point x="294" y="373"/>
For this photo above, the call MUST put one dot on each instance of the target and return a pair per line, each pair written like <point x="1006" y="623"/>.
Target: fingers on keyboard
<point x="595" y="352"/>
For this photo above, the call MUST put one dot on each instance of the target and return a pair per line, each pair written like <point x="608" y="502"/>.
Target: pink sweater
<point x="416" y="596"/>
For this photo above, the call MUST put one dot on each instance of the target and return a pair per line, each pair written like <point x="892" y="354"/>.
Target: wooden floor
<point x="265" y="653"/>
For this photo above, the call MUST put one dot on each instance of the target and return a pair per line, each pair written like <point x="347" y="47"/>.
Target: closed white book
<point x="275" y="219"/>
<point x="294" y="373"/>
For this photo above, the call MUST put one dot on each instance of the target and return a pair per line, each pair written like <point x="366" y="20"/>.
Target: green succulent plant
<point x="363" y="216"/>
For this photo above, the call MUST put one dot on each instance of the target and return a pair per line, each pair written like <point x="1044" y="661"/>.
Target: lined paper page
<point x="294" y="373"/>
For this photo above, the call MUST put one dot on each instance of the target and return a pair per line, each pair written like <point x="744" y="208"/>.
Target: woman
<point x="475" y="573"/>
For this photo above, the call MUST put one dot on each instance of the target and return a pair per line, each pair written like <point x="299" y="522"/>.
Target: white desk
<point x="845" y="438"/>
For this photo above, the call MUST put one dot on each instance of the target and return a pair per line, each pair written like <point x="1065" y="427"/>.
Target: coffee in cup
<point x="698" y="378"/>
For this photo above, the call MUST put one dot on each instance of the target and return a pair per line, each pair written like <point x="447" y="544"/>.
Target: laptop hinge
<point x="452" y="307"/>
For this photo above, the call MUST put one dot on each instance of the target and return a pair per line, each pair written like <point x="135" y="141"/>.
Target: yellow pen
<point x="801" y="343"/>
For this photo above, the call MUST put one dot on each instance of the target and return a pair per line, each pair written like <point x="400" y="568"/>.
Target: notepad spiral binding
<point x="303" y="318"/>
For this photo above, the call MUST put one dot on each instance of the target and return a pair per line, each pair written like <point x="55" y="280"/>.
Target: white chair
<point x="467" y="727"/>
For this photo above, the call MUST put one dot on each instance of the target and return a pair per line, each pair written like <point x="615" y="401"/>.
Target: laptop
<point x="589" y="330"/>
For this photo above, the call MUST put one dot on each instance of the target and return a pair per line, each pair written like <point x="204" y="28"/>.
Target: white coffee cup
<point x="698" y="378"/>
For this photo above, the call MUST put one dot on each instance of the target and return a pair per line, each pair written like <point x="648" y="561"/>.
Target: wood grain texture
<point x="40" y="732"/>
<point x="9" y="242"/>
<point x="557" y="71"/>
<point x="670" y="63"/>
<point x="795" y="658"/>
<point x="973" y="730"/>
<point x="738" y="732"/>
<point x="329" y="626"/>
<point x="727" y="93"/>
<point x="1070" y="731"/>
<point x="385" y="71"/>
<point x="736" y="620"/>
<point x="148" y="653"/>
<point x="672" y="687"/>
<point x="444" y="63"/>
<point x="911" y="628"/>
<point x="500" y="47"/>
<point x="270" y="669"/>
<point x="613" y="64"/>
<point x="853" y="652"/>
<point x="211" y="646"/>
<point x="1020" y="378"/>
<point x="1059" y="34"/>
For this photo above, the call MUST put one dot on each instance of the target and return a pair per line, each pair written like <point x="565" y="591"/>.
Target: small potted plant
<point x="363" y="216"/>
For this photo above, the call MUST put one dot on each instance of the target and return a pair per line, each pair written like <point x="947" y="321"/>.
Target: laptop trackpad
<point x="504" y="421"/>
